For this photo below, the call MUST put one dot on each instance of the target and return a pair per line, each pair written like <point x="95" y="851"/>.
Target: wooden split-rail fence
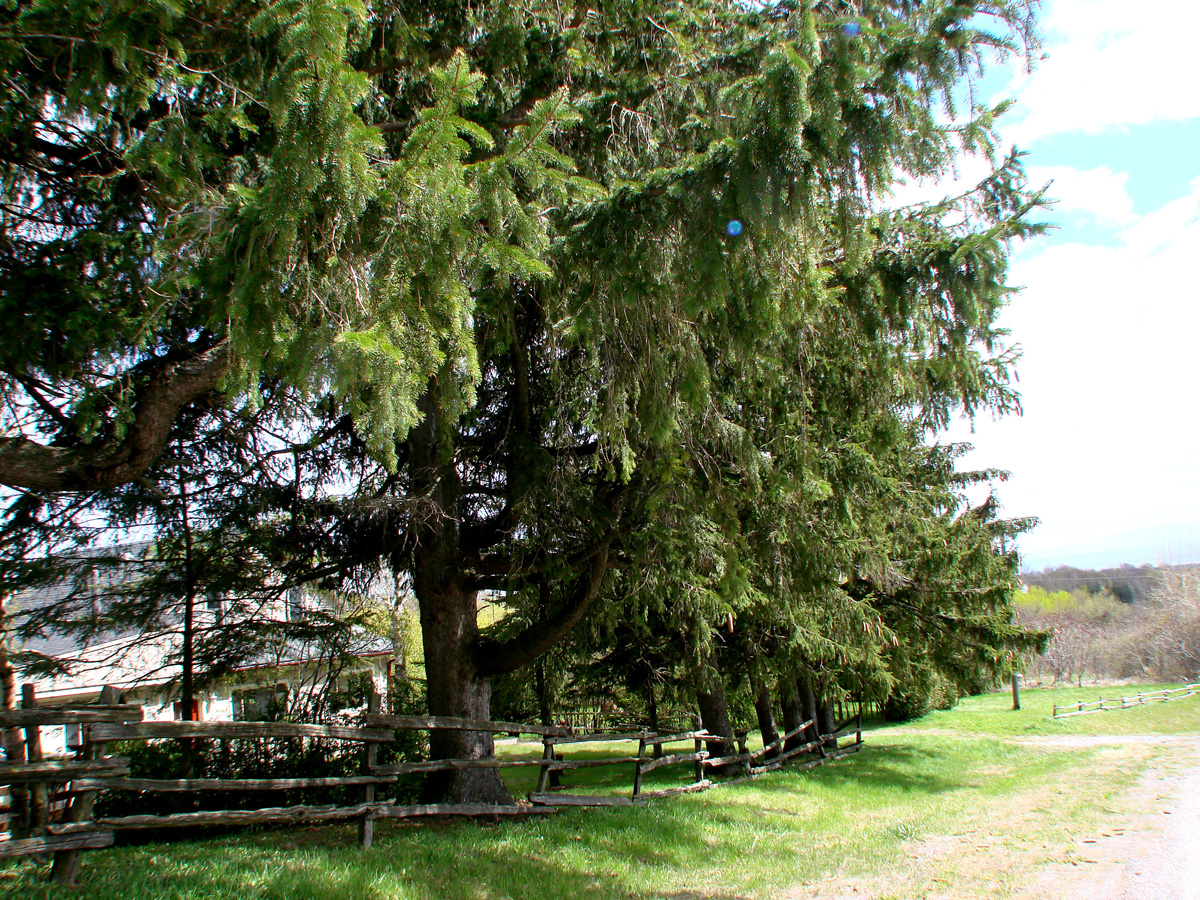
<point x="1112" y="703"/>
<point x="78" y="780"/>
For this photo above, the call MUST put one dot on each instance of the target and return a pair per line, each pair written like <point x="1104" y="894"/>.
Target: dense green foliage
<point x="604" y="308"/>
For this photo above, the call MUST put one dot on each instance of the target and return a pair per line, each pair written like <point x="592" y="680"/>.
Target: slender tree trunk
<point x="765" y="710"/>
<point x="187" y="688"/>
<point x="187" y="677"/>
<point x="793" y="712"/>
<point x="808" y="704"/>
<point x="399" y="647"/>
<point x="39" y="798"/>
<point x="543" y="694"/>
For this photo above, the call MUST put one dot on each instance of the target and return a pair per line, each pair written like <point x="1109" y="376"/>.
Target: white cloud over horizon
<point x="1100" y="194"/>
<point x="1108" y="64"/>
<point x="1107" y="454"/>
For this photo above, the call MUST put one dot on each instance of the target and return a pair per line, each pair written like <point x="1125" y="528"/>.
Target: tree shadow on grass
<point x="636" y="853"/>
<point x="896" y="767"/>
<point x="586" y="855"/>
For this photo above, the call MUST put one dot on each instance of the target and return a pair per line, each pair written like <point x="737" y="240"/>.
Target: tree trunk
<point x="827" y="722"/>
<point x="808" y="703"/>
<point x="448" y="628"/>
<point x="449" y="625"/>
<point x="766" y="716"/>
<point x="652" y="706"/>
<point x="793" y="712"/>
<point x="39" y="798"/>
<point x="543" y="693"/>
<point x="714" y="711"/>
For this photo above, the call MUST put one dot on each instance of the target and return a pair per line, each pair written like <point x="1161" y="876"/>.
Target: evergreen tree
<point x="579" y="278"/>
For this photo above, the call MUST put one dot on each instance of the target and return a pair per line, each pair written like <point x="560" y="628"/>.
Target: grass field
<point x="961" y="798"/>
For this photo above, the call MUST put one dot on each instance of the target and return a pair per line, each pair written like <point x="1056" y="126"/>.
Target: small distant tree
<point x="1090" y="633"/>
<point x="1170" y="640"/>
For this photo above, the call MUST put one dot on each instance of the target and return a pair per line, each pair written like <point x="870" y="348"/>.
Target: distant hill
<point x="1131" y="584"/>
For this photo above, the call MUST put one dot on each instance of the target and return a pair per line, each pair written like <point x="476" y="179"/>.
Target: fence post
<point x="1016" y="684"/>
<point x="699" y="744"/>
<point x="38" y="795"/>
<point x="543" y="781"/>
<point x="66" y="862"/>
<point x="637" y="766"/>
<point x="366" y="828"/>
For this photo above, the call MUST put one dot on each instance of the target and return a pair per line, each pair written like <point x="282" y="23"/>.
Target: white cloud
<point x="1109" y="63"/>
<point x="969" y="171"/>
<point x="1098" y="193"/>
<point x="1108" y="451"/>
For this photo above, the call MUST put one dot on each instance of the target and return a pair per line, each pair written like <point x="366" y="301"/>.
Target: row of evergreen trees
<point x="600" y="307"/>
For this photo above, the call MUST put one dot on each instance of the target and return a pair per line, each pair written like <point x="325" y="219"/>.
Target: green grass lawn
<point x="951" y="774"/>
<point x="993" y="713"/>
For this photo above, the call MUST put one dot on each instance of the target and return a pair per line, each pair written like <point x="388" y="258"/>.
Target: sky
<point x="1107" y="452"/>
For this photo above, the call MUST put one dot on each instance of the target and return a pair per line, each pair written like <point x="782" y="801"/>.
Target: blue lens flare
<point x="733" y="228"/>
<point x="850" y="29"/>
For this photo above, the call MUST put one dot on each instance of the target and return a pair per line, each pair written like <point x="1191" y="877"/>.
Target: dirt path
<point x="1156" y="855"/>
<point x="1140" y="844"/>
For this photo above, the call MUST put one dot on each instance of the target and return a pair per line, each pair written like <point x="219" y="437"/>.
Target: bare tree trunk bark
<point x="652" y="708"/>
<point x="765" y="711"/>
<point x="543" y="693"/>
<point x="448" y="627"/>
<point x="827" y="722"/>
<point x="808" y="702"/>
<point x="714" y="710"/>
<point x="793" y="712"/>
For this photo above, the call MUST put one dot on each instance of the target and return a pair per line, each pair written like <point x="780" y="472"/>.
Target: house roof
<point x="109" y="650"/>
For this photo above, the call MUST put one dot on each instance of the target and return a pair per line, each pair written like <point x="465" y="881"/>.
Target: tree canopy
<point x="603" y="307"/>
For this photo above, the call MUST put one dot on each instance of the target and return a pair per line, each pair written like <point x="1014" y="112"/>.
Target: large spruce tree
<point x="565" y="270"/>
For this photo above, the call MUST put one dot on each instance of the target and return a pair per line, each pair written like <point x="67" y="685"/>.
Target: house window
<point x="180" y="709"/>
<point x="216" y="607"/>
<point x="73" y="738"/>
<point x="260" y="704"/>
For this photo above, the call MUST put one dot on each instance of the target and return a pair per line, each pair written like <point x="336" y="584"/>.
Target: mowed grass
<point x="855" y="818"/>
<point x="993" y="713"/>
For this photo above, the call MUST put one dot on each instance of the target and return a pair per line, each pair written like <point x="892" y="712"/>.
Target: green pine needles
<point x="492" y="243"/>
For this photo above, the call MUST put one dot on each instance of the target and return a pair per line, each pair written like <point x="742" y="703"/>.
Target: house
<point x="288" y="671"/>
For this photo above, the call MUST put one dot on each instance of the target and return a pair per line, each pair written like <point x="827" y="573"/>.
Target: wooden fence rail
<point x="1109" y="704"/>
<point x="80" y="779"/>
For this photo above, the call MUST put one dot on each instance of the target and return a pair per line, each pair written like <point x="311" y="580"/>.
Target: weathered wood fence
<point x="1109" y="704"/>
<point x="78" y="780"/>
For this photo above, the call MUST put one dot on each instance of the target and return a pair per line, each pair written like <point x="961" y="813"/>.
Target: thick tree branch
<point x="25" y="463"/>
<point x="494" y="657"/>
<point x="498" y="564"/>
